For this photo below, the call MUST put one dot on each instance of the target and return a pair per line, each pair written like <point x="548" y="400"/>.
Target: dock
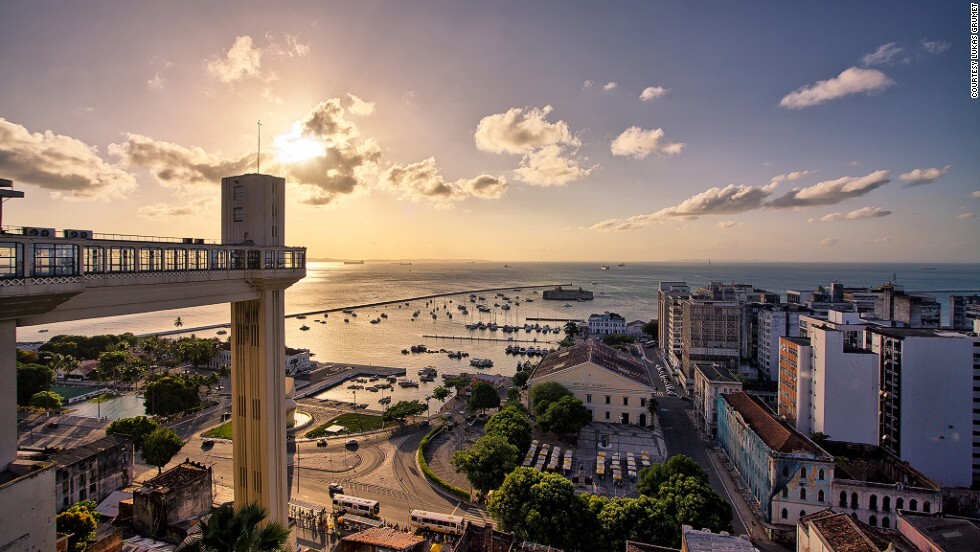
<point x="332" y="374"/>
<point x="501" y="339"/>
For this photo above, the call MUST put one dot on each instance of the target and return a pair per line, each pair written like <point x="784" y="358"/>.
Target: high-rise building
<point x="794" y="380"/>
<point x="927" y="405"/>
<point x="906" y="310"/>
<point x="963" y="310"/>
<point x="711" y="333"/>
<point x="670" y="317"/>
<point x="711" y="380"/>
<point x="774" y="322"/>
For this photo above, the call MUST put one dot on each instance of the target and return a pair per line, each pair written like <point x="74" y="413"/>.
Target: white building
<point x="297" y="360"/>
<point x="670" y="317"/>
<point x="614" y="386"/>
<point x="710" y="380"/>
<point x="607" y="323"/>
<point x="843" y="387"/>
<point x="927" y="401"/>
<point x="774" y="321"/>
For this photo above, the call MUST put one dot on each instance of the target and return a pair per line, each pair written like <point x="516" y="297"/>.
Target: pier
<point x="529" y="318"/>
<point x="331" y="374"/>
<point x="501" y="339"/>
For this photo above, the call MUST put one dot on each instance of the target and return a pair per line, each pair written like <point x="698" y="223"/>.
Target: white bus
<point x="442" y="523"/>
<point x="356" y="505"/>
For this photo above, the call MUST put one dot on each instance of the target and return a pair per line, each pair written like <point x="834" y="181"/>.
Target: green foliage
<point x="420" y="457"/>
<point x="692" y="501"/>
<point x="48" y="400"/>
<point x="487" y="462"/>
<point x="567" y="342"/>
<point x="354" y="422"/>
<point x="441" y="393"/>
<point x="643" y="520"/>
<point x="227" y="529"/>
<point x="513" y="395"/>
<point x="136" y="428"/>
<point x="513" y="425"/>
<point x="653" y="405"/>
<point x="80" y="522"/>
<point x="571" y="329"/>
<point x="651" y="328"/>
<point x="197" y="351"/>
<point x="618" y="339"/>
<point x="31" y="379"/>
<point x="172" y="394"/>
<point x="819" y="437"/>
<point x="403" y="409"/>
<point x="457" y="383"/>
<point x="86" y="348"/>
<point x="543" y="394"/>
<point x="160" y="446"/>
<point x="656" y="475"/>
<point x="539" y="507"/>
<point x="113" y="363"/>
<point x="520" y="378"/>
<point x="223" y="431"/>
<point x="483" y="396"/>
<point x="27" y="357"/>
<point x="565" y="417"/>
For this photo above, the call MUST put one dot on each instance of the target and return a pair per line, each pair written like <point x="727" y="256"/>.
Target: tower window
<point x="239" y="214"/>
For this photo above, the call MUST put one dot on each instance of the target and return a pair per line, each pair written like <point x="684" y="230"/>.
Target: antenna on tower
<point x="258" y="156"/>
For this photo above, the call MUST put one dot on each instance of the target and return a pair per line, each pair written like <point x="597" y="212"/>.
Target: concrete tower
<point x="252" y="214"/>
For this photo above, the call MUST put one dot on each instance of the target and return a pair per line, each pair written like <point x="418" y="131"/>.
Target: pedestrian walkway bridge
<point x="47" y="276"/>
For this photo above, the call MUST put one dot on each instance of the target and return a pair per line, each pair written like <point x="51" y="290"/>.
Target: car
<point x="351" y="443"/>
<point x="207" y="443"/>
<point x="321" y="443"/>
<point x="335" y="488"/>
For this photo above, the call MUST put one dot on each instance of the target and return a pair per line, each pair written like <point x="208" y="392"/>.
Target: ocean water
<point x="630" y="290"/>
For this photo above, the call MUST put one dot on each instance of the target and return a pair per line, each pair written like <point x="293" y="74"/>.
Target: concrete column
<point x="8" y="392"/>
<point x="258" y="390"/>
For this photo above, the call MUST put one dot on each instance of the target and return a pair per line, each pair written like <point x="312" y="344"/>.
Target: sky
<point x="505" y="130"/>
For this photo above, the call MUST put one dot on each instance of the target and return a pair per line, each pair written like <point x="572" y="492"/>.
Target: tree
<point x="48" y="400"/>
<point x="171" y="394"/>
<point x="638" y="519"/>
<point x="111" y="364"/>
<point x="513" y="425"/>
<point x="31" y="379"/>
<point x="651" y="328"/>
<point x="819" y="437"/>
<point x="565" y="417"/>
<point x="228" y="530"/>
<point x="160" y="446"/>
<point x="457" y="383"/>
<point x="483" y="396"/>
<point x="571" y="329"/>
<point x="178" y="323"/>
<point x="543" y="394"/>
<point x="692" y="501"/>
<point x="653" y="405"/>
<point x="565" y="343"/>
<point x="539" y="507"/>
<point x="618" y="339"/>
<point x="136" y="428"/>
<point x="25" y="356"/>
<point x="487" y="462"/>
<point x="401" y="410"/>
<point x="656" y="475"/>
<point x="80" y="522"/>
<point x="520" y="378"/>
<point x="441" y="393"/>
<point x="197" y="351"/>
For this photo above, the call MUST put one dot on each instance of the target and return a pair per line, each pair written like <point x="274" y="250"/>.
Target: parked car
<point x="352" y="443"/>
<point x="321" y="443"/>
<point x="335" y="488"/>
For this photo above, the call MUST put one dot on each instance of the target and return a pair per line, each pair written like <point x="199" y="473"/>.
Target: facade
<point x="27" y="515"/>
<point x="296" y="360"/>
<point x="785" y="473"/>
<point x="830" y="531"/>
<point x="873" y="485"/>
<point x="703" y="540"/>
<point x="670" y="317"/>
<point x="849" y="323"/>
<point x="906" y="310"/>
<point x="711" y="380"/>
<point x="774" y="322"/>
<point x="607" y="323"/>
<point x="635" y="329"/>
<point x="711" y="333"/>
<point x="614" y="386"/>
<point x="795" y="371"/>
<point x="963" y="310"/>
<point x="163" y="505"/>
<point x="93" y="471"/>
<point x="843" y="385"/>
<point x="927" y="406"/>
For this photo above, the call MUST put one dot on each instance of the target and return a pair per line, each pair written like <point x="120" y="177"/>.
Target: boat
<point x="219" y="332"/>
<point x="347" y="311"/>
<point x="353" y="262"/>
<point x="384" y="400"/>
<point x="405" y="264"/>
<point x="347" y="321"/>
<point x="383" y="315"/>
<point x="559" y="294"/>
<point x="304" y="327"/>
<point x="372" y="389"/>
<point x="508" y="266"/>
<point x="622" y="264"/>
<point x="604" y="267"/>
<point x="481" y="363"/>
<point x="427" y="371"/>
<point x="300" y="317"/>
<point x="408" y="383"/>
<point x="405" y="351"/>
<point x="45" y="330"/>
<point x="567" y="305"/>
<point x="505" y="306"/>
<point x="375" y="321"/>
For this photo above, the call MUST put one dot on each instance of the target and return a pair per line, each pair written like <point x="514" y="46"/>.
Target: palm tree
<point x="571" y="329"/>
<point x="227" y="530"/>
<point x="178" y="322"/>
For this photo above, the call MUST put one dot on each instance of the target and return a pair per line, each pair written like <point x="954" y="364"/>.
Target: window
<point x="873" y="521"/>
<point x="626" y="401"/>
<point x="175" y="259"/>
<point x="926" y="506"/>
<point x="94" y="259"/>
<point x="121" y="259"/>
<point x="899" y="503"/>
<point x="854" y="501"/>
<point x="197" y="259"/>
<point x="784" y="514"/>
<point x="843" y="499"/>
<point x="913" y="505"/>
<point x="239" y="193"/>
<point x="608" y="399"/>
<point x="820" y="496"/>
<point x="54" y="260"/>
<point x="643" y="402"/>
<point x="802" y="473"/>
<point x="588" y="399"/>
<point x="885" y="523"/>
<point x="873" y="502"/>
<point x="151" y="259"/>
<point x="785" y="492"/>
<point x="11" y="260"/>
<point x="239" y="214"/>
<point x="886" y="504"/>
<point x="820" y="475"/>
<point x="802" y="494"/>
<point x="607" y="415"/>
<point x="219" y="259"/>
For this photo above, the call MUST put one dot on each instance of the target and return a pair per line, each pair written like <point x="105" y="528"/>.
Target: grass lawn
<point x="223" y="431"/>
<point x="70" y="392"/>
<point x="355" y="423"/>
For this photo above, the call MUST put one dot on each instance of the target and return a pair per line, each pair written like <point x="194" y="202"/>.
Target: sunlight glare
<point x="293" y="147"/>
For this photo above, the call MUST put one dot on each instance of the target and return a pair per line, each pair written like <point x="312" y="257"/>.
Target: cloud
<point x="292" y="48"/>
<point x="610" y="86"/>
<point x="884" y="55"/>
<point x="830" y="192"/>
<point x="975" y="195"/>
<point x="727" y="224"/>
<point x="327" y="121"/>
<point x="65" y="166"/>
<point x="550" y="166"/>
<point x="422" y="181"/>
<point x="965" y="216"/>
<point x="359" y="106"/>
<point x="732" y="199"/>
<point x="175" y="166"/>
<point x="165" y="211"/>
<point x="883" y="239"/>
<point x="638" y="143"/>
<point x="158" y="80"/>
<point x="853" y="80"/>
<point x="520" y="130"/>
<point x="935" y="46"/>
<point x="917" y="177"/>
<point x="241" y="61"/>
<point x="857" y="214"/>
<point x="791" y="176"/>
<point x="587" y="84"/>
<point x="653" y="92"/>
<point x="829" y="242"/>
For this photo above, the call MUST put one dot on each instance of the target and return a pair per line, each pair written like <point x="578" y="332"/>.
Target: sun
<point x="293" y="147"/>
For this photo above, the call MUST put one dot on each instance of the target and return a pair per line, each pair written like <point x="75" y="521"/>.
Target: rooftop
<point x="386" y="537"/>
<point x="601" y="355"/>
<point x="641" y="547"/>
<point x="841" y="532"/>
<point x="777" y="435"/>
<point x="948" y="534"/>
<point x="180" y="475"/>
<point x="715" y="372"/>
<point x="706" y="541"/>
<point x="873" y="464"/>
<point x="797" y="340"/>
<point x="75" y="455"/>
